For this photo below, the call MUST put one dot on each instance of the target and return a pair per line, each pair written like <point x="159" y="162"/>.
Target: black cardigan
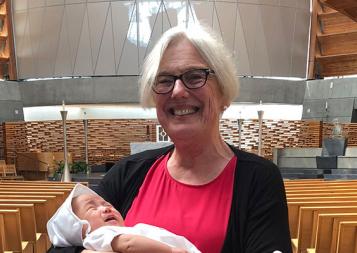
<point x="258" y="221"/>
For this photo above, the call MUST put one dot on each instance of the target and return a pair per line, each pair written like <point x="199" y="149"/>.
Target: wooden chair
<point x="347" y="237"/>
<point x="13" y="237"/>
<point x="8" y="171"/>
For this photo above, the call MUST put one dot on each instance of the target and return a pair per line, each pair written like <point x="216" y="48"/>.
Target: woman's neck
<point x="199" y="163"/>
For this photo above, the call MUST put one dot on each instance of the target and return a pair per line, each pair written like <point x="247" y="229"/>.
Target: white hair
<point x="209" y="46"/>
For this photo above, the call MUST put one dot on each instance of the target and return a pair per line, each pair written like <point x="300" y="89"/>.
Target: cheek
<point x="214" y="103"/>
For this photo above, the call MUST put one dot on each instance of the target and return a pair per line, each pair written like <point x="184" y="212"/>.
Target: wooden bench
<point x="45" y="197"/>
<point x="308" y="223"/>
<point x="50" y="183"/>
<point x="40" y="207"/>
<point x="327" y="231"/>
<point x="347" y="237"/>
<point x="52" y="203"/>
<point x="299" y="195"/>
<point x="324" y="190"/>
<point x="12" y="229"/>
<point x="43" y="190"/>
<point x="293" y="209"/>
<point x="59" y="197"/>
<point x="28" y="231"/>
<point x="321" y="184"/>
<point x="2" y="234"/>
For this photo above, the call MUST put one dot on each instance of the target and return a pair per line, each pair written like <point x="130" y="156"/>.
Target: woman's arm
<point x="127" y="243"/>
<point x="267" y="221"/>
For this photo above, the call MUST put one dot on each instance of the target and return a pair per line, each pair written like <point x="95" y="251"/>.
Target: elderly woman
<point x="220" y="198"/>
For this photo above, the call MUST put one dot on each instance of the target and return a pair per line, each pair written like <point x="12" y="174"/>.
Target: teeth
<point x="183" y="112"/>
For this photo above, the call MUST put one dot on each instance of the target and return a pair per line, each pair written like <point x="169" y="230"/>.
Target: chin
<point x="184" y="132"/>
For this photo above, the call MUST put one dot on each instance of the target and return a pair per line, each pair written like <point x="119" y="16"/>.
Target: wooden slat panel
<point x="336" y="23"/>
<point x="338" y="43"/>
<point x="347" y="7"/>
<point x="337" y="65"/>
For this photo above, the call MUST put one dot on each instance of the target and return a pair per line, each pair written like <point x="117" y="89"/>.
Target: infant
<point x="86" y="219"/>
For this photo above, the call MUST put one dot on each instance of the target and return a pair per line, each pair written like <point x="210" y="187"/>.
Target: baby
<point x="86" y="219"/>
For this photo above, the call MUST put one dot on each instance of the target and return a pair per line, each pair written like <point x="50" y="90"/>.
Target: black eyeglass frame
<point x="207" y="71"/>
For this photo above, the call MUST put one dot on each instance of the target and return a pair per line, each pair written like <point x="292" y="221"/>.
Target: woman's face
<point x="188" y="113"/>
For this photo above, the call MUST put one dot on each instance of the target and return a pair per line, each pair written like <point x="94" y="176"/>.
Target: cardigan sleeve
<point x="267" y="228"/>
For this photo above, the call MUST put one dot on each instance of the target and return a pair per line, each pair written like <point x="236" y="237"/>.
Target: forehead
<point x="181" y="55"/>
<point x="85" y="198"/>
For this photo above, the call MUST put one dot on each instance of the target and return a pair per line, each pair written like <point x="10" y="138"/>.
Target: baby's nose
<point x="106" y="209"/>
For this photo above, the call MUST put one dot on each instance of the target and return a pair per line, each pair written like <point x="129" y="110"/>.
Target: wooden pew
<point x="303" y="181"/>
<point x="28" y="229"/>
<point x="52" y="204"/>
<point x="324" y="190"/>
<point x="326" y="236"/>
<point x="308" y="224"/>
<point x="347" y="237"/>
<point x="293" y="208"/>
<point x="323" y="183"/>
<point x="58" y="197"/>
<point x="299" y="195"/>
<point x="13" y="237"/>
<point x="2" y="234"/>
<point x="320" y="188"/>
<point x="39" y="186"/>
<point x="41" y="211"/>
<point x="44" y="190"/>
<point x="50" y="183"/>
<point x="294" y="212"/>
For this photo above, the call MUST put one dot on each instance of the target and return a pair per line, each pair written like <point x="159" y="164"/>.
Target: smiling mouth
<point x="183" y="112"/>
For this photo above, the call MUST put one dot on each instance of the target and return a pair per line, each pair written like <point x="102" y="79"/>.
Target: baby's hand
<point x="177" y="250"/>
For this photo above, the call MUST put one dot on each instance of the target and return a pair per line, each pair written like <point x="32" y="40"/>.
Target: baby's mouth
<point x="110" y="218"/>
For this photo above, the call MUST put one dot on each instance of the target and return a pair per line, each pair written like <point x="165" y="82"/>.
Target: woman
<point x="220" y="198"/>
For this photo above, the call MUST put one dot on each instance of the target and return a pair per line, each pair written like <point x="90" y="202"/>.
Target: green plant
<point x="74" y="168"/>
<point x="79" y="167"/>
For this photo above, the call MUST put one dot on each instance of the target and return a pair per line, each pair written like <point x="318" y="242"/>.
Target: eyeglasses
<point x="192" y="79"/>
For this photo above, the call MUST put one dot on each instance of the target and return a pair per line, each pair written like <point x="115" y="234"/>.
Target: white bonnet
<point x="65" y="228"/>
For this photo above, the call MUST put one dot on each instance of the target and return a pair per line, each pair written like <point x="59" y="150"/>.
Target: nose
<point x="106" y="209"/>
<point x="179" y="89"/>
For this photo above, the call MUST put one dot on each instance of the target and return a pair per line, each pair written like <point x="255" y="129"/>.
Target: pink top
<point x="198" y="212"/>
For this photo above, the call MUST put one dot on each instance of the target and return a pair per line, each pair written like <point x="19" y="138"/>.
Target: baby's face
<point x="96" y="211"/>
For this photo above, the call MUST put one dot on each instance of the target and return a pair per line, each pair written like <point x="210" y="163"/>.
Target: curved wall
<point x="116" y="90"/>
<point x="11" y="106"/>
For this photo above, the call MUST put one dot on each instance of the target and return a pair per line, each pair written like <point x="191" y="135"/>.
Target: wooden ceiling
<point x="346" y="7"/>
<point x="7" y="52"/>
<point x="333" y="48"/>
